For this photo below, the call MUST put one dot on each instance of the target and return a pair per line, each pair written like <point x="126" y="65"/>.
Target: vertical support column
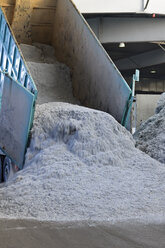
<point x="21" y="23"/>
<point x="128" y="107"/>
<point x="142" y="5"/>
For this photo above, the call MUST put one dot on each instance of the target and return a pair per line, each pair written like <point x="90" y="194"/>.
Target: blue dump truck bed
<point x="18" y="94"/>
<point x="96" y="81"/>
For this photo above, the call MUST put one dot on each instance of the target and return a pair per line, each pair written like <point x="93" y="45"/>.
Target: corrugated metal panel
<point x="17" y="96"/>
<point x="11" y="60"/>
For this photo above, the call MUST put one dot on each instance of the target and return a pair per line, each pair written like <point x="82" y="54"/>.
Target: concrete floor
<point x="34" y="234"/>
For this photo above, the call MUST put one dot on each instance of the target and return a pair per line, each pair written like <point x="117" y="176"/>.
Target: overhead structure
<point x="134" y="38"/>
<point x="142" y="60"/>
<point x="132" y="32"/>
<point x="111" y="28"/>
<point x="120" y="6"/>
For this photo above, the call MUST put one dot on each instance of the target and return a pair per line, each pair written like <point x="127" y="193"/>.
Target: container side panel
<point x="96" y="81"/>
<point x="11" y="60"/>
<point x="15" y="119"/>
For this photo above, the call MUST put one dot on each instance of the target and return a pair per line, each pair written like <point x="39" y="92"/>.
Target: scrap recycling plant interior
<point x="81" y="164"/>
<point x="95" y="83"/>
<point x="135" y="40"/>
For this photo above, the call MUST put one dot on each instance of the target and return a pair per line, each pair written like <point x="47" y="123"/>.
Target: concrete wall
<point x="151" y="85"/>
<point x="148" y="85"/>
<point x="145" y="107"/>
<point x="31" y="20"/>
<point x="96" y="80"/>
<point x="8" y="8"/>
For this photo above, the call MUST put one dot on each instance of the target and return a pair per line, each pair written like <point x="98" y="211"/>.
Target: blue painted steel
<point x="11" y="60"/>
<point x="13" y="69"/>
<point x="129" y="103"/>
<point x="17" y="107"/>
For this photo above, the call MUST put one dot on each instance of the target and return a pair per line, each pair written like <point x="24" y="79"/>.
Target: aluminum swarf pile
<point x="150" y="138"/>
<point x="83" y="166"/>
<point x="53" y="79"/>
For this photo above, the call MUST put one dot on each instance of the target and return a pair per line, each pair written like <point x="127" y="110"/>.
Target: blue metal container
<point x="18" y="94"/>
<point x="11" y="60"/>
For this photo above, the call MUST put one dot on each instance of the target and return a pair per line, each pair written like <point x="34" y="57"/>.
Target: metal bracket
<point x="129" y="103"/>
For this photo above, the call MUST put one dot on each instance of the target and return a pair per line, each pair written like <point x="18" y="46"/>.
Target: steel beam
<point x="128" y="29"/>
<point x="155" y="57"/>
<point x="105" y="6"/>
